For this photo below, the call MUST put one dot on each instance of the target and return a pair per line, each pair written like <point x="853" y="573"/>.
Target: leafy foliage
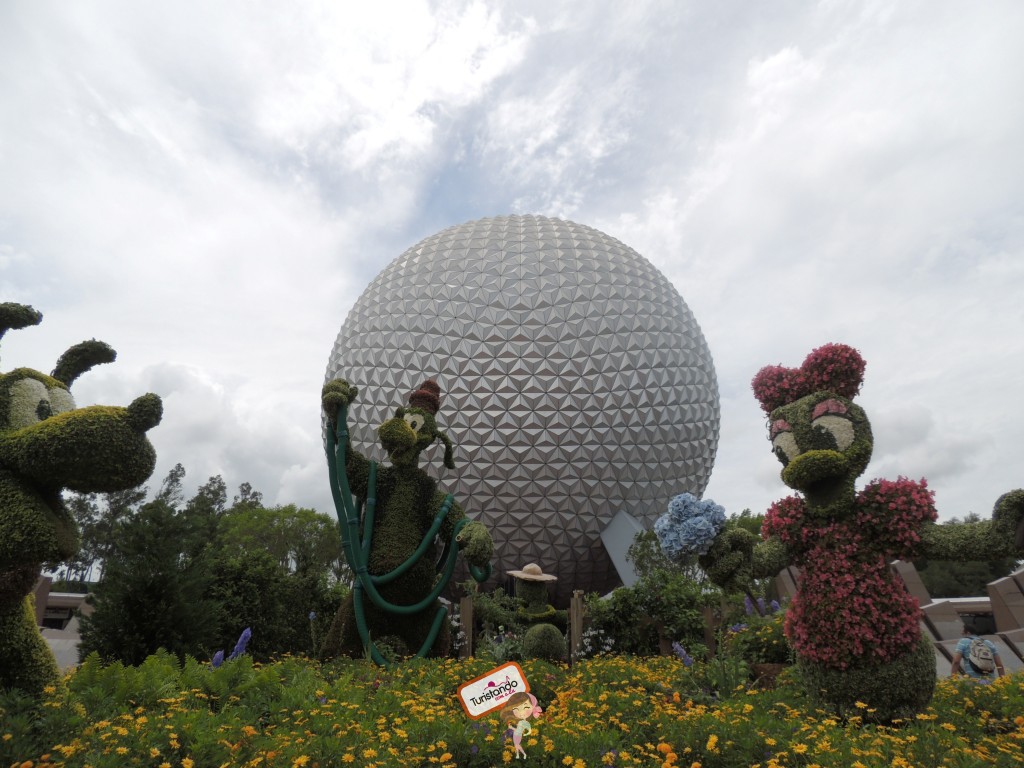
<point x="748" y="521"/>
<point x="153" y="596"/>
<point x="299" y="539"/>
<point x="760" y="639"/>
<point x="491" y="609"/>
<point x="48" y="445"/>
<point x="895" y="689"/>
<point x="943" y="578"/>
<point x="188" y="576"/>
<point x="667" y="599"/>
<point x="256" y="590"/>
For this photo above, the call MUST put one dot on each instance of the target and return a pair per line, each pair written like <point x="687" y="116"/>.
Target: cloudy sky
<point x="208" y="187"/>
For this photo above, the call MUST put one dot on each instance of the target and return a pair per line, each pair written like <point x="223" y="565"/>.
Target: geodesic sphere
<point x="575" y="383"/>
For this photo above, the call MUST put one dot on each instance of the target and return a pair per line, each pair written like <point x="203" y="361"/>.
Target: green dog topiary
<point x="401" y="512"/>
<point x="853" y="625"/>
<point x="47" y="445"/>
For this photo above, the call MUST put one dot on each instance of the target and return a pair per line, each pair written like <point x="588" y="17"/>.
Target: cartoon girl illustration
<point x="520" y="706"/>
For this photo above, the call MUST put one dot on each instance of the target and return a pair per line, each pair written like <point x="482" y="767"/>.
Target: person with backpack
<point x="976" y="657"/>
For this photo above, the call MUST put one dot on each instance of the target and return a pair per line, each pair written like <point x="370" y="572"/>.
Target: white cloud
<point x="372" y="86"/>
<point x="208" y="188"/>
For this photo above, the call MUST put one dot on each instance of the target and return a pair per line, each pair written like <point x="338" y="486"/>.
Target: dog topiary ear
<point x="80" y="358"/>
<point x="449" y="460"/>
<point x="14" y="316"/>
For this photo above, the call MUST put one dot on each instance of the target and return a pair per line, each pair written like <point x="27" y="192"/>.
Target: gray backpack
<point x="980" y="656"/>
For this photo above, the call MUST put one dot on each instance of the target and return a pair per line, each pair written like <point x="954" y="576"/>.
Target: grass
<point x="610" y="711"/>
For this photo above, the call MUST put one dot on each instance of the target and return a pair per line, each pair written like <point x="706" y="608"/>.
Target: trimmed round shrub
<point x="544" y="641"/>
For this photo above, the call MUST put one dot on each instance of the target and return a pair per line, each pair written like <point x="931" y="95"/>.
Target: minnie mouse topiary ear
<point x="775" y="385"/>
<point x="834" y="368"/>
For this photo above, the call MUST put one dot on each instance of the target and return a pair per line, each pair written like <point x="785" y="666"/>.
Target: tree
<point x="97" y="517"/>
<point x="749" y="521"/>
<point x="247" y="497"/>
<point x="213" y="494"/>
<point x="153" y="596"/>
<point x="275" y="568"/>
<point x="189" y="576"/>
<point x="171" y="491"/>
<point x="287" y="612"/>
<point x="202" y="516"/>
<point x="299" y="539"/>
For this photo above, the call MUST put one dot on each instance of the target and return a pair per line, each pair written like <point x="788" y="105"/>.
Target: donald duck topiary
<point x="853" y="625"/>
<point x="48" y="445"/>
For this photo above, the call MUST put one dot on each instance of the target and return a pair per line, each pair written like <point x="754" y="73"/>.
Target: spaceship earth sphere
<point x="575" y="383"/>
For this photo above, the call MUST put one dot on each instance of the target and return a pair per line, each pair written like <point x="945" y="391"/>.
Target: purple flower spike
<point x="679" y="651"/>
<point x="243" y="640"/>
<point x="217" y="660"/>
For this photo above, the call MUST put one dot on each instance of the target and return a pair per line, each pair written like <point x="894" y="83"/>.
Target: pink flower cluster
<point x="891" y="513"/>
<point x="835" y="368"/>
<point x="786" y="519"/>
<point x="850" y="609"/>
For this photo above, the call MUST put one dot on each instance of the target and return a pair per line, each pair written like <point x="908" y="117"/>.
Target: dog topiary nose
<point x="145" y="412"/>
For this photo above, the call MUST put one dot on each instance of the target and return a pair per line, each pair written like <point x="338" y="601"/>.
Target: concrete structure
<point x="617" y="537"/>
<point x="57" y="615"/>
<point x="1007" y="598"/>
<point x="576" y="383"/>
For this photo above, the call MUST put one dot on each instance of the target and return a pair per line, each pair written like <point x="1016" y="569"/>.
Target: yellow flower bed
<point x="612" y="711"/>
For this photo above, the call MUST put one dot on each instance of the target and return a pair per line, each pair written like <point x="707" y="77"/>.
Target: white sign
<point x="491" y="690"/>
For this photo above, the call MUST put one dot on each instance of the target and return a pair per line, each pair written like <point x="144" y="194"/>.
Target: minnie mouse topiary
<point x="853" y="625"/>
<point x="48" y="445"/>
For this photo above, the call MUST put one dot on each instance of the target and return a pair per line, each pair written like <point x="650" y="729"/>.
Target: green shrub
<point x="152" y="596"/>
<point x="544" y="641"/>
<point x="667" y="600"/>
<point x="760" y="640"/>
<point x="879" y="693"/>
